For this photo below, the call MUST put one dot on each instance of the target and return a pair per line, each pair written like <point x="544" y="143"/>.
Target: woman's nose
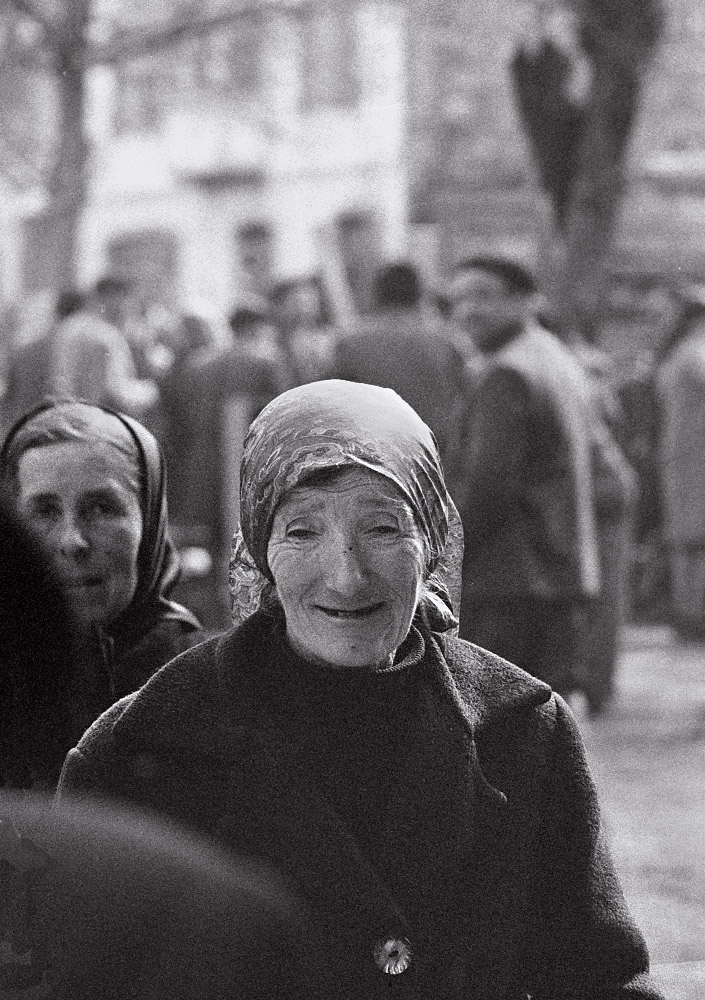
<point x="346" y="573"/>
<point x="72" y="538"/>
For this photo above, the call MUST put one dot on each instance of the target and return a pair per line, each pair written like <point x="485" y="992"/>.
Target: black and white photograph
<point x="352" y="428"/>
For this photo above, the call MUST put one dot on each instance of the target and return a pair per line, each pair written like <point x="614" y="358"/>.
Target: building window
<point x="330" y="56"/>
<point x="224" y="64"/>
<point x="140" y="102"/>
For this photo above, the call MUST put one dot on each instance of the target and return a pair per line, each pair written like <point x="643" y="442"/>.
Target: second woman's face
<point x="79" y="500"/>
<point x="348" y="563"/>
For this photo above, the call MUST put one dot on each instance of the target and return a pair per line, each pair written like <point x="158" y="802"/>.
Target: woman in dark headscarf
<point x="91" y="486"/>
<point x="429" y="802"/>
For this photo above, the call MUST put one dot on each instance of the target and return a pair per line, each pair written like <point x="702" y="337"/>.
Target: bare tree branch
<point x="17" y="168"/>
<point x="135" y="43"/>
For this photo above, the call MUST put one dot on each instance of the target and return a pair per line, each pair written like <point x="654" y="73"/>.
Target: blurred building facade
<point x="267" y="149"/>
<point x="332" y="134"/>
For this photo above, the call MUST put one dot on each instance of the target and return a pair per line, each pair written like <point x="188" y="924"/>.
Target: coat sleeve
<point x="586" y="942"/>
<point x="88" y="767"/>
<point x="79" y="777"/>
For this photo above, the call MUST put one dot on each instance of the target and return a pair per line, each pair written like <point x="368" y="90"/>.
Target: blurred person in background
<point x="250" y="323"/>
<point x="90" y="484"/>
<point x="191" y="338"/>
<point x="680" y="383"/>
<point x="452" y="311"/>
<point x="92" y="358"/>
<point x="430" y="803"/>
<point x="212" y="393"/>
<point x="527" y="501"/>
<point x="655" y="299"/>
<point x="306" y="335"/>
<point x="615" y="492"/>
<point x="30" y="364"/>
<point x="36" y="662"/>
<point x="639" y="404"/>
<point x="401" y="348"/>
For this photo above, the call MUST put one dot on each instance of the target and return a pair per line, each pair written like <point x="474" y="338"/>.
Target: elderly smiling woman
<point x="429" y="802"/>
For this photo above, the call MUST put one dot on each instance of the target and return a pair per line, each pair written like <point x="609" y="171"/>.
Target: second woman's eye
<point x="44" y="510"/>
<point x="102" y="508"/>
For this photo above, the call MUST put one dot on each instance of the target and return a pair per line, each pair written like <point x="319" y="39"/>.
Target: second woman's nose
<point x="72" y="541"/>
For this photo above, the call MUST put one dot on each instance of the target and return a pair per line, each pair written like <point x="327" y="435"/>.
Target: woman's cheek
<point x="404" y="556"/>
<point x="289" y="563"/>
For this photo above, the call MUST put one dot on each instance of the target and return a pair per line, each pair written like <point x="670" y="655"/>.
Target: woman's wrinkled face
<point x="348" y="562"/>
<point x="80" y="501"/>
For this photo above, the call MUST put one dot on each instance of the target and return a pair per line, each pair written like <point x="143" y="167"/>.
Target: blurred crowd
<point x="577" y="486"/>
<point x="196" y="378"/>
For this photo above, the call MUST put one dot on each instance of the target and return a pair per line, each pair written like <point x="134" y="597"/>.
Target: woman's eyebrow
<point x="101" y="493"/>
<point x="296" y="506"/>
<point x="40" y="496"/>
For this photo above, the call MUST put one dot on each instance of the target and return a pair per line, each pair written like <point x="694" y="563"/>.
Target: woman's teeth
<point x="357" y="613"/>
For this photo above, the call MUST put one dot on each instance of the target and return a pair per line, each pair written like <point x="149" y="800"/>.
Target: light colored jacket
<point x="681" y="389"/>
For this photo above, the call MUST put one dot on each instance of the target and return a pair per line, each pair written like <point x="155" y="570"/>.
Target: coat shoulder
<point x="490" y="686"/>
<point x="164" y="702"/>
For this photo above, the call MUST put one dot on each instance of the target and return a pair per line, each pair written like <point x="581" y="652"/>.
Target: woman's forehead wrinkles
<point x="369" y="498"/>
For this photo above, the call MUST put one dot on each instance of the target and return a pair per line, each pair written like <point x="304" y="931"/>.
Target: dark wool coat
<point x="526" y="499"/>
<point x="401" y="350"/>
<point x="542" y="913"/>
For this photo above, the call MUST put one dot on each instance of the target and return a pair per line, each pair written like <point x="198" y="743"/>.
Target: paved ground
<point x="648" y="758"/>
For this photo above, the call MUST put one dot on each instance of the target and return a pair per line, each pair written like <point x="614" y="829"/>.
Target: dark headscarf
<point x="332" y="425"/>
<point x="157" y="559"/>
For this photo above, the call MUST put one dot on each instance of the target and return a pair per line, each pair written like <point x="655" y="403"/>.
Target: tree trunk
<point x="597" y="193"/>
<point x="619" y="37"/>
<point x="54" y="236"/>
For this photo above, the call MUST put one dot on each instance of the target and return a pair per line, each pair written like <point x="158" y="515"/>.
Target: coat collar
<point x="205" y="700"/>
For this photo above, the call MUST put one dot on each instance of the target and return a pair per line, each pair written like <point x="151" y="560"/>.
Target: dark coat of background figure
<point x="401" y="348"/>
<point x="531" y="559"/>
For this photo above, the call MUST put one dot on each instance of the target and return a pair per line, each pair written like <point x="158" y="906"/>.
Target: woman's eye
<point x="103" y="507"/>
<point x="45" y="512"/>
<point x="300" y="533"/>
<point x="384" y="529"/>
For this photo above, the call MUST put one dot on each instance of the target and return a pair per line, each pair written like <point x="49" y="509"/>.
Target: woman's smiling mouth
<point x="352" y="613"/>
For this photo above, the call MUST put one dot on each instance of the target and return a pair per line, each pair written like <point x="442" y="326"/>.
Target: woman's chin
<point x="338" y="654"/>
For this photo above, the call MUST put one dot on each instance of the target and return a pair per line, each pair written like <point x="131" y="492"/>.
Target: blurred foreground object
<point x="35" y="663"/>
<point x="109" y="904"/>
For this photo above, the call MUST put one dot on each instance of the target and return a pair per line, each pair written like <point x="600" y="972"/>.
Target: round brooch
<point x="393" y="956"/>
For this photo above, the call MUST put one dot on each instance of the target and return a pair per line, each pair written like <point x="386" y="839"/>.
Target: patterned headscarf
<point x="332" y="425"/>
